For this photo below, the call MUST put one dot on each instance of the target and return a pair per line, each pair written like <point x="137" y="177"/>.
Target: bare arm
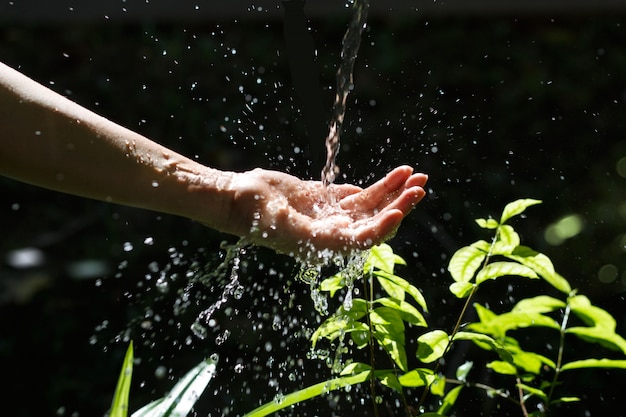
<point x="52" y="142"/>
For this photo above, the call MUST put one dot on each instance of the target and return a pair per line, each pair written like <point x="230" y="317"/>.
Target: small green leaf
<point x="432" y="345"/>
<point x="540" y="304"/>
<point x="503" y="368"/>
<point x="508" y="239"/>
<point x="355" y="368"/>
<point x="389" y="332"/>
<point x="602" y="330"/>
<point x="461" y="289"/>
<point x="381" y="257"/>
<point x="449" y="400"/>
<point x="533" y="391"/>
<point x="119" y="406"/>
<point x="594" y="363"/>
<point x="400" y="286"/>
<point x="565" y="400"/>
<point x="333" y="284"/>
<point x="466" y="261"/>
<point x="390" y="380"/>
<point x="542" y="265"/>
<point x="516" y="207"/>
<point x="463" y="370"/>
<point x="488" y="223"/>
<point x="485" y="342"/>
<point x="438" y="387"/>
<point x="499" y="269"/>
<point x="417" y="378"/>
<point x="407" y="312"/>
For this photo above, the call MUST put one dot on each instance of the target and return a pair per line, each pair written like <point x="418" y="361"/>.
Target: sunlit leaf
<point x="343" y="321"/>
<point x="488" y="223"/>
<point x="602" y="324"/>
<point x="502" y="367"/>
<point x="466" y="261"/>
<point x="389" y="332"/>
<point x="485" y="342"/>
<point x="461" y="289"/>
<point x="500" y="269"/>
<point x="449" y="400"/>
<point x="407" y="312"/>
<point x="432" y="345"/>
<point x="390" y="380"/>
<point x="594" y="363"/>
<point x="539" y="304"/>
<point x="533" y="392"/>
<point x="381" y="257"/>
<point x="516" y="207"/>
<point x="355" y="368"/>
<point x="333" y="284"/>
<point x="499" y="325"/>
<point x="508" y="239"/>
<point x="417" y="378"/>
<point x="463" y="370"/>
<point x="181" y="399"/>
<point x="119" y="406"/>
<point x="438" y="387"/>
<point x="565" y="400"/>
<point x="542" y="265"/>
<point x="401" y="284"/>
<point x="321" y="388"/>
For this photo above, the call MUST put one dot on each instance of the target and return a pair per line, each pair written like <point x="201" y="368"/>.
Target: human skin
<point x="50" y="141"/>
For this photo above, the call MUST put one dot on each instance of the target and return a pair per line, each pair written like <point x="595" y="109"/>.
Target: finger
<point x="342" y="191"/>
<point x="406" y="201"/>
<point x="372" y="196"/>
<point x="416" y="180"/>
<point x="379" y="230"/>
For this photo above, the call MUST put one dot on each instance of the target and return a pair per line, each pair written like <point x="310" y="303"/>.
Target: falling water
<point x="350" y="48"/>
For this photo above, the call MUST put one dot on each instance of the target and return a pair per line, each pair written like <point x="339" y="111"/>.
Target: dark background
<point x="493" y="106"/>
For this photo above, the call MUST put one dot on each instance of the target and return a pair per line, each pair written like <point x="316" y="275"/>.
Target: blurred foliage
<point x="492" y="109"/>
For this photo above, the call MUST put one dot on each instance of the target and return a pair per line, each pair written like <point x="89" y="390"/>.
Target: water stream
<point x="350" y="48"/>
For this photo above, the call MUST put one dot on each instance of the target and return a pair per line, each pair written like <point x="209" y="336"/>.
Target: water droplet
<point x="199" y="330"/>
<point x="127" y="247"/>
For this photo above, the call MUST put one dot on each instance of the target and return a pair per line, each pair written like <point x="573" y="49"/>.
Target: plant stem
<point x="520" y="392"/>
<point x="559" y="359"/>
<point x="369" y="295"/>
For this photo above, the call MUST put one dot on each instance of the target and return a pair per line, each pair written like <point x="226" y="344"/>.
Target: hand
<point x="297" y="217"/>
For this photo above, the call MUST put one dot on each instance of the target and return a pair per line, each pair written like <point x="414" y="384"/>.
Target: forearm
<point x="49" y="141"/>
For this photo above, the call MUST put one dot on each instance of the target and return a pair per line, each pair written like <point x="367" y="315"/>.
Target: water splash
<point x="350" y="48"/>
<point x="232" y="288"/>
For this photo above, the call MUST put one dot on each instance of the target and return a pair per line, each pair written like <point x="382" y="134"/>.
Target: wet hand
<point x="297" y="217"/>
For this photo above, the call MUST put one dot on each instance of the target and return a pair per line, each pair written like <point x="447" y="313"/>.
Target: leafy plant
<point x="379" y="323"/>
<point x="375" y="323"/>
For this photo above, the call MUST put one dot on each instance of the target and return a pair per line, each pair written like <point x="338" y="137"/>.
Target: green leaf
<point x="381" y="257"/>
<point x="602" y="330"/>
<point x="499" y="269"/>
<point x="389" y="332"/>
<point x="485" y="342"/>
<point x="463" y="370"/>
<point x="502" y="367"/>
<point x="333" y="284"/>
<point x="449" y="400"/>
<point x="407" y="312"/>
<point x="119" y="406"/>
<point x="432" y="345"/>
<point x="419" y="377"/>
<point x="540" y="304"/>
<point x="342" y="321"/>
<point x="181" y="399"/>
<point x="400" y="285"/>
<point x="355" y="368"/>
<point x="390" y="380"/>
<point x="501" y="324"/>
<point x="461" y="289"/>
<point x="488" y="223"/>
<point x="542" y="265"/>
<point x="594" y="363"/>
<point x="508" y="240"/>
<point x="466" y="261"/>
<point x="533" y="391"/>
<point x="516" y="207"/>
<point x="438" y="387"/>
<point x="321" y="388"/>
